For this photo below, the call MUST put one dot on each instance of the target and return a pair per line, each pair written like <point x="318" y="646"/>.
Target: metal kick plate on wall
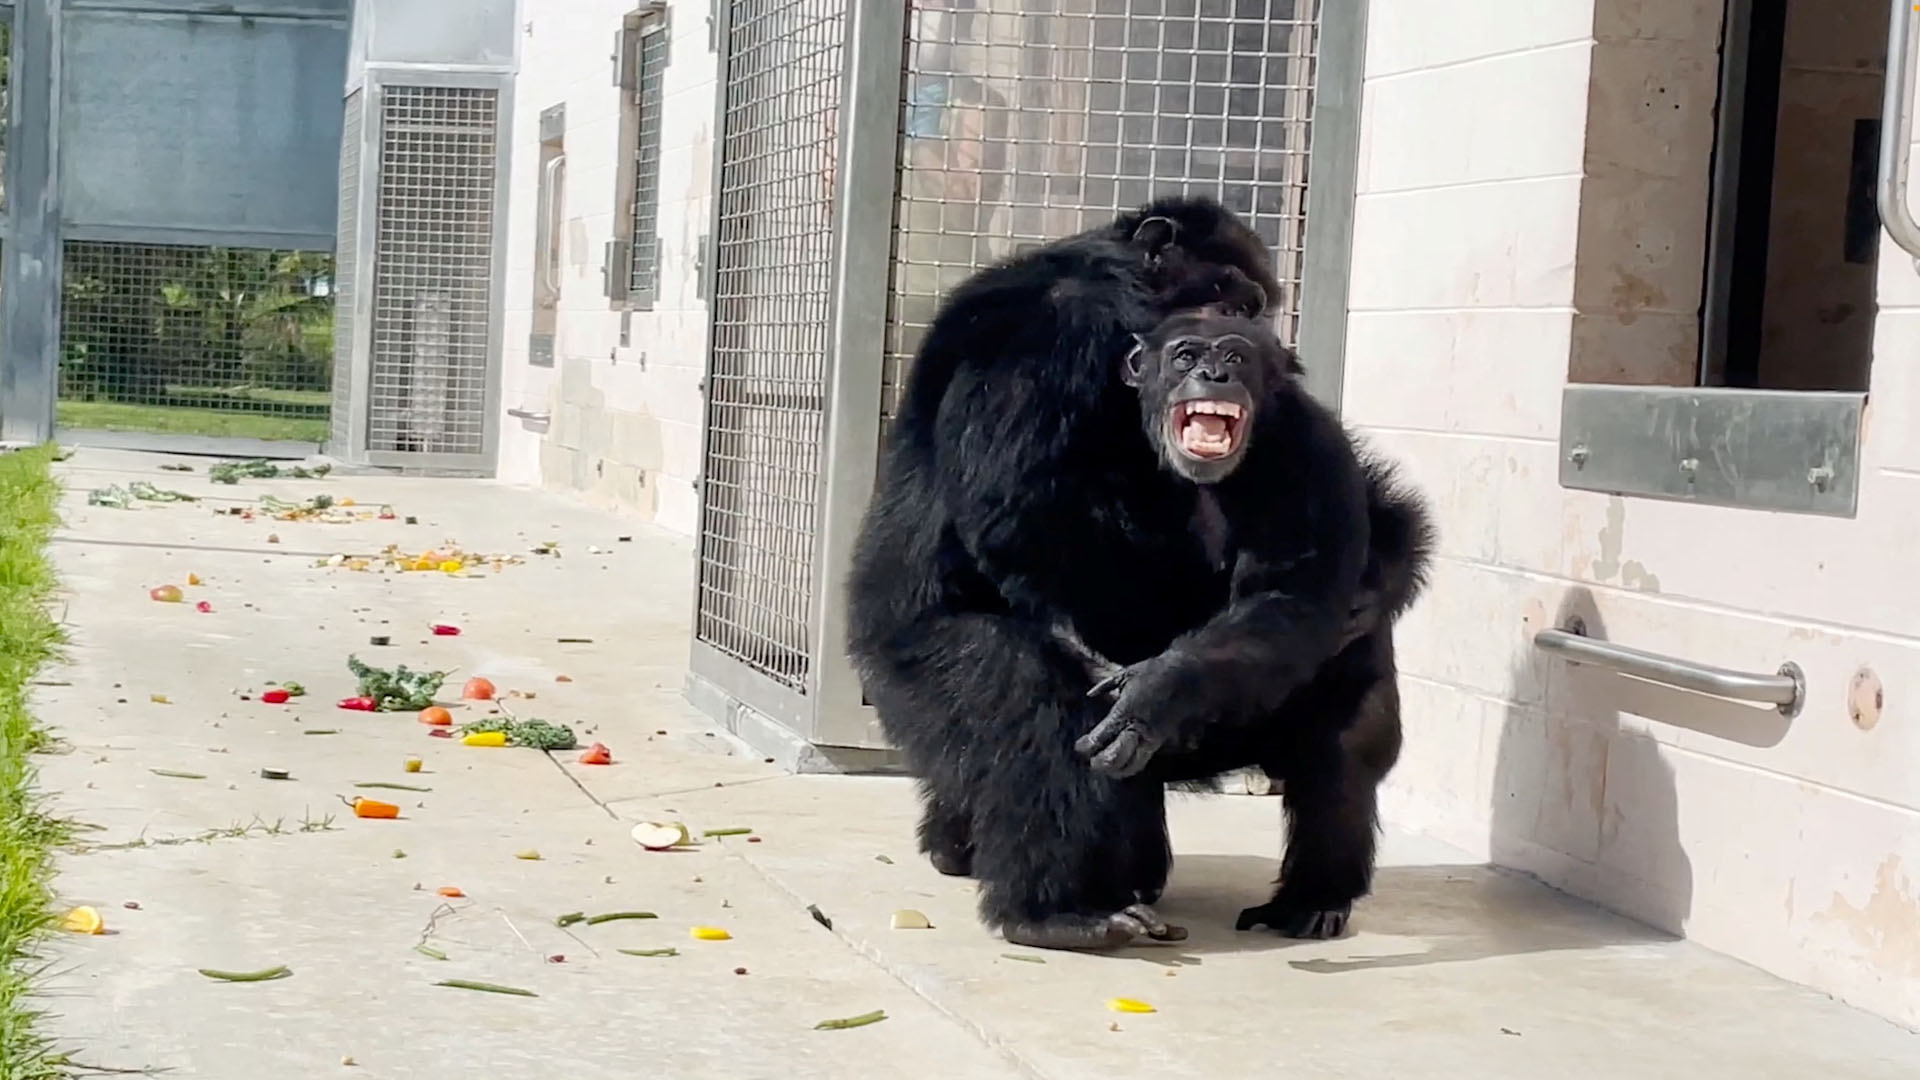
<point x="1795" y="451"/>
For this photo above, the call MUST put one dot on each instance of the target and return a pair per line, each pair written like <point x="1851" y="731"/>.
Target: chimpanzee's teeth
<point x="1227" y="409"/>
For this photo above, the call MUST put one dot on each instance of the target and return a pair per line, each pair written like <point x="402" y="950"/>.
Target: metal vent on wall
<point x="347" y="269"/>
<point x="430" y="342"/>
<point x="769" y="360"/>
<point x="1026" y="120"/>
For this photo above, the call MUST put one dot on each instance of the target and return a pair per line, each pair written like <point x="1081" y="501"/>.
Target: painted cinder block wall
<point x="625" y="420"/>
<point x="1531" y="203"/>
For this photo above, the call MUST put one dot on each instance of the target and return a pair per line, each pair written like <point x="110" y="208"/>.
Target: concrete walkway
<point x="1455" y="970"/>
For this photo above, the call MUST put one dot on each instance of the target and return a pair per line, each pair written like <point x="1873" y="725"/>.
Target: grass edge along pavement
<point x="29" y="497"/>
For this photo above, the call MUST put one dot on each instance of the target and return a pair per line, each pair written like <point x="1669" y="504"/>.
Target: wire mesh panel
<point x="6" y="95"/>
<point x="768" y="361"/>
<point x="1027" y="120"/>
<point x="346" y="247"/>
<point x="212" y="341"/>
<point x="433" y="262"/>
<point x="643" y="255"/>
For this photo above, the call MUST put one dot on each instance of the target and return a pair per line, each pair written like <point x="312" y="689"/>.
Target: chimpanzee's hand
<point x="1122" y="743"/>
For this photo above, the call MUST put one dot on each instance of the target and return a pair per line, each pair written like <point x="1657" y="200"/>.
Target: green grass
<point x="180" y="420"/>
<point x="28" y="637"/>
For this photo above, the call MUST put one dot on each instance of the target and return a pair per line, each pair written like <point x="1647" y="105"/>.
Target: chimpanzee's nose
<point x="1212" y="371"/>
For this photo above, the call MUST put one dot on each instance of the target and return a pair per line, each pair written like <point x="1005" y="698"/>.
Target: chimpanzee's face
<point x="1201" y="377"/>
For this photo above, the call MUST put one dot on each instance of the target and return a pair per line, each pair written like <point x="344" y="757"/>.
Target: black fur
<point x="1296" y="675"/>
<point x="1015" y="491"/>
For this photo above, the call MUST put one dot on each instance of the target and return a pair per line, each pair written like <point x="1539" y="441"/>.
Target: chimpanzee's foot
<point x="1297" y="922"/>
<point x="1068" y="931"/>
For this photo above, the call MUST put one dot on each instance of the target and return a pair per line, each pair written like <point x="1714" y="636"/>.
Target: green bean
<point x="649" y="952"/>
<point x="279" y="971"/>
<point x="612" y="916"/>
<point x="726" y="832"/>
<point x="862" y="1020"/>
<point x="488" y="988"/>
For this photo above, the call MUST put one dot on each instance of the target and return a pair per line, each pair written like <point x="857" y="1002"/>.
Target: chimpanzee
<point x="1295" y="674"/>
<point x="1016" y="493"/>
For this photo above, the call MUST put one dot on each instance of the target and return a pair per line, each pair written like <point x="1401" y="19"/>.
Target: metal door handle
<point x="1786" y="690"/>
<point x="1896" y="132"/>
<point x="550" y="259"/>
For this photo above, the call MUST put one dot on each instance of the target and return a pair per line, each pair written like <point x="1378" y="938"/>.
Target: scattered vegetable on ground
<point x="374" y="808"/>
<point x="230" y="472"/>
<point x="280" y="971"/>
<point x="534" y="733"/>
<point x="399" y="690"/>
<point x="83" y="920"/>
<point x="489" y="988"/>
<point x="844" y="1023"/>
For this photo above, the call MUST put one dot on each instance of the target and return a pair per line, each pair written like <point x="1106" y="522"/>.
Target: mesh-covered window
<point x="211" y="341"/>
<point x="643" y="253"/>
<point x="433" y="262"/>
<point x="768" y="365"/>
<point x="1026" y="120"/>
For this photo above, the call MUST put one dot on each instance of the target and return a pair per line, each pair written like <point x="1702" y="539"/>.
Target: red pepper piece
<point x="444" y="630"/>
<point x="203" y="608"/>
<point x="358" y="704"/>
<point x="440" y="733"/>
<point x="276" y="697"/>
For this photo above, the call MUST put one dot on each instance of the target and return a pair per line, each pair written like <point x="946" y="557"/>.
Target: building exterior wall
<point x="1531" y="203"/>
<point x="625" y="419"/>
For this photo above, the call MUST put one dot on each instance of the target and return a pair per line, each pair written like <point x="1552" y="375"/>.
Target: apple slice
<point x="660" y="836"/>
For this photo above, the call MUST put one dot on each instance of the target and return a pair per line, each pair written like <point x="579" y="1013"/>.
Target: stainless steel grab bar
<point x="550" y="206"/>
<point x="1896" y="132"/>
<point x="533" y="417"/>
<point x="1786" y="690"/>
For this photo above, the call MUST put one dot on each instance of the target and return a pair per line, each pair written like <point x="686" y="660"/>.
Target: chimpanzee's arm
<point x="1286" y="619"/>
<point x="1012" y="436"/>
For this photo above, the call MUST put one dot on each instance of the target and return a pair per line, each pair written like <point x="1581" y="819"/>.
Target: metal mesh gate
<point x="433" y="263"/>
<point x="771" y="328"/>
<point x="1026" y="120"/>
<point x="346" y="248"/>
<point x="211" y="341"/>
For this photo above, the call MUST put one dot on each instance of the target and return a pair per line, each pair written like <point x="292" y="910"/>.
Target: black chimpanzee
<point x="1295" y="674"/>
<point x="1017" y="492"/>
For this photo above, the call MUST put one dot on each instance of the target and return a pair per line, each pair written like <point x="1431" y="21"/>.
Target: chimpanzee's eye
<point x="1185" y="357"/>
<point x="1233" y="357"/>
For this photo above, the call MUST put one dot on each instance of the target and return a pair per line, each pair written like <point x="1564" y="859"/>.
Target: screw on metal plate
<point x="1820" y="476"/>
<point x="1578" y="456"/>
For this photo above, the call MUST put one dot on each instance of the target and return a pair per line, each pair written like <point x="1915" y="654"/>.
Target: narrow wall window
<point x="633" y="258"/>
<point x="1724" y="289"/>
<point x="1793" y="235"/>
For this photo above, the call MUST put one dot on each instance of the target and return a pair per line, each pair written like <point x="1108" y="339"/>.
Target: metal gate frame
<point x="365" y="249"/>
<point x="826" y="725"/>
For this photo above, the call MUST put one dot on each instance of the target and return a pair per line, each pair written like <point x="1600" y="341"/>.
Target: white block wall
<point x="626" y="421"/>
<point x="1510" y="152"/>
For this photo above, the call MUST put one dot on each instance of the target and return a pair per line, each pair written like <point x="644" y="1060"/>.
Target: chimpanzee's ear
<point x="1133" y="370"/>
<point x="1156" y="234"/>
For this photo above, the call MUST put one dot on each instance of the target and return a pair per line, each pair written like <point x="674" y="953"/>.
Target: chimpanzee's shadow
<point x="1416" y="915"/>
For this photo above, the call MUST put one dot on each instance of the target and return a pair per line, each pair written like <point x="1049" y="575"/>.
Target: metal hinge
<point x="613" y="270"/>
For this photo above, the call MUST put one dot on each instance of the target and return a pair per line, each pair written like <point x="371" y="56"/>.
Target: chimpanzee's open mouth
<point x="1207" y="428"/>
